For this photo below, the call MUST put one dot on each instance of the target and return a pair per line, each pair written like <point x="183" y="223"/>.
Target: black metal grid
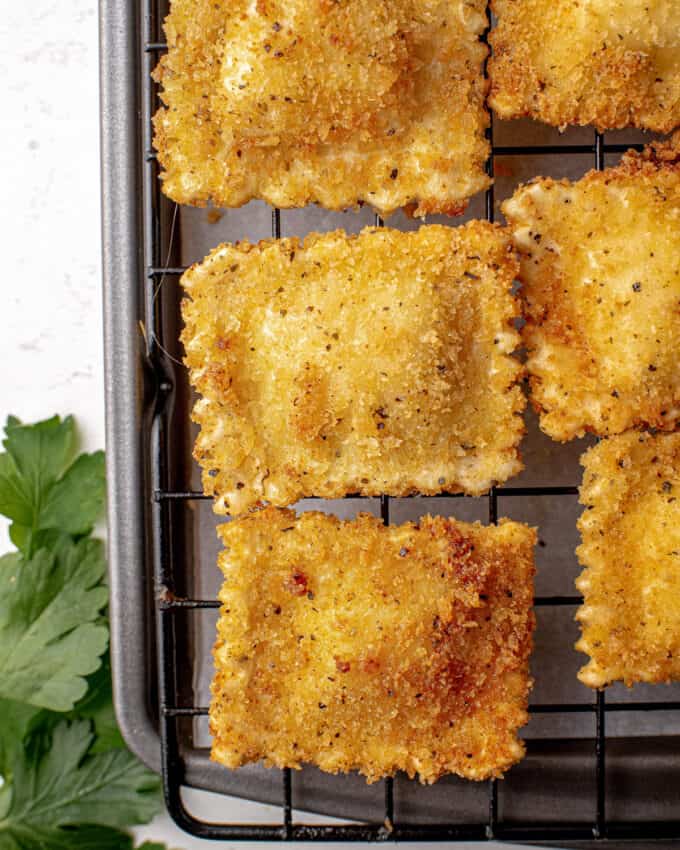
<point x="158" y="221"/>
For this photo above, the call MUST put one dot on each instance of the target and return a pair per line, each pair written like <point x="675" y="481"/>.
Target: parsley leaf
<point x="80" y="838"/>
<point x="17" y="720"/>
<point x="69" y="838"/>
<point x="77" y="498"/>
<point x="152" y="845"/>
<point x="42" y="490"/>
<point x="64" y="786"/>
<point x="20" y="720"/>
<point x="97" y="704"/>
<point x="67" y="782"/>
<point x="51" y="636"/>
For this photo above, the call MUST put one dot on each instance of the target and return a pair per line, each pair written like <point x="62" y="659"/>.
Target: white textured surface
<point x="51" y="345"/>
<point x="50" y="349"/>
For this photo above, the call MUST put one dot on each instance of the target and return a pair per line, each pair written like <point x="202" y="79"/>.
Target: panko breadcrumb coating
<point x="356" y="646"/>
<point x="300" y="101"/>
<point x="630" y="618"/>
<point x="611" y="63"/>
<point x="374" y="364"/>
<point x="600" y="272"/>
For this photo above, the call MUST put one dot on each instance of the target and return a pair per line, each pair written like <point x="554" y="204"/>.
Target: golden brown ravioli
<point x="611" y="63"/>
<point x="300" y="101"/>
<point x="373" y="364"/>
<point x="600" y="272"/>
<point x="630" y="617"/>
<point x="356" y="646"/>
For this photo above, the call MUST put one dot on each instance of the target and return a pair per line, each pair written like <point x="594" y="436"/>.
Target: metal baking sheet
<point x="643" y="750"/>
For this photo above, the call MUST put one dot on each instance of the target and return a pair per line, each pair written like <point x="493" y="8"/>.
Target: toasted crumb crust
<point x="613" y="63"/>
<point x="630" y="618"/>
<point x="601" y="289"/>
<point x="373" y="364"/>
<point x="301" y="101"/>
<point x="356" y="646"/>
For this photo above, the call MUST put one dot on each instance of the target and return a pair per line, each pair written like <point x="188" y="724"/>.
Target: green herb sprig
<point x="67" y="781"/>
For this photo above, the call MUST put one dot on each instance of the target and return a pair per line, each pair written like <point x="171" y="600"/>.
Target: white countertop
<point x="51" y="345"/>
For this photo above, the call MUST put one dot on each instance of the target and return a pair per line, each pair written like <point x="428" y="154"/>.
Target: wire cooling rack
<point x="170" y="504"/>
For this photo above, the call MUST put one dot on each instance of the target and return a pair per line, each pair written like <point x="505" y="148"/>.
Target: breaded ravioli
<point x="356" y="646"/>
<point x="301" y="101"/>
<point x="600" y="272"/>
<point x="630" y="618"/>
<point x="611" y="63"/>
<point x="373" y="364"/>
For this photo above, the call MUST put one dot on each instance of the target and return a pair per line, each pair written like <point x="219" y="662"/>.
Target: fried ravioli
<point x="373" y="364"/>
<point x="300" y="101"/>
<point x="630" y="618"/>
<point x="356" y="646"/>
<point x="611" y="63"/>
<point x="600" y="272"/>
